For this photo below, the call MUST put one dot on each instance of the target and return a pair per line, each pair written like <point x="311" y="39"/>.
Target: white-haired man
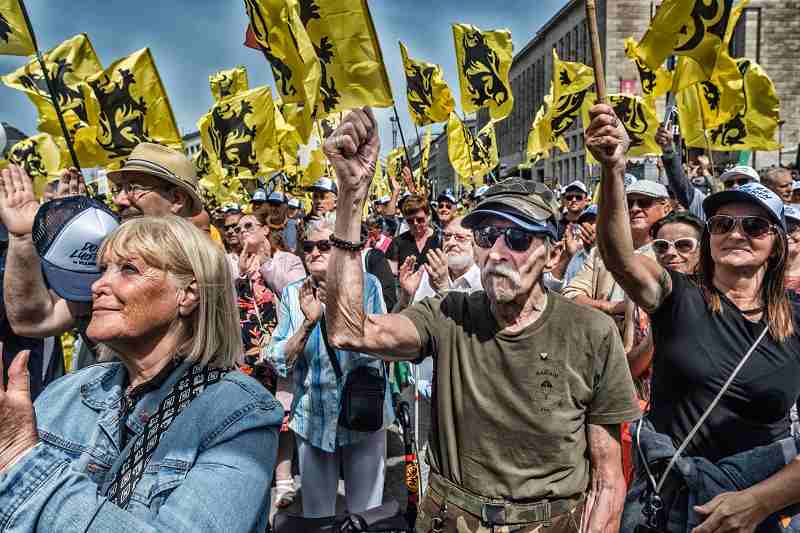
<point x="530" y="388"/>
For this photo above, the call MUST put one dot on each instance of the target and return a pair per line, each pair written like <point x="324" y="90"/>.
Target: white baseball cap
<point x="577" y="184"/>
<point x="647" y="188"/>
<point x="740" y="171"/>
<point x="67" y="233"/>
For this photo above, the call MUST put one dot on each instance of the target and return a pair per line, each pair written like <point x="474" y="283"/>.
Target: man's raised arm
<point x="353" y="151"/>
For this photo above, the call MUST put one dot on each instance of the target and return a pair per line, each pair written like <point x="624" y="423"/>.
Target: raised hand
<point x="663" y="139"/>
<point x="572" y="243"/>
<point x="410" y="280"/>
<point x="408" y="178"/>
<point x="18" y="205"/>
<point x="606" y="137"/>
<point x="71" y="184"/>
<point x="587" y="234"/>
<point x="353" y="151"/>
<point x="310" y="304"/>
<point x="437" y="270"/>
<point x="18" y="432"/>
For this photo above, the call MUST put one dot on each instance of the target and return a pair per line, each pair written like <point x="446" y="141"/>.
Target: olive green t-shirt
<point x="510" y="412"/>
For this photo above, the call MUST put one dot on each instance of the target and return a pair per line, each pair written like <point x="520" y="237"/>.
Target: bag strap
<point x="699" y="423"/>
<point x="337" y="369"/>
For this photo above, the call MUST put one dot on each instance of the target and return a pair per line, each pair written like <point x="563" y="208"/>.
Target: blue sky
<point x="191" y="39"/>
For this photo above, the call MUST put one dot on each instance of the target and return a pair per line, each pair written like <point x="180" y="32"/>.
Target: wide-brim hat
<point x="164" y="163"/>
<point x="517" y="201"/>
<point x="751" y="193"/>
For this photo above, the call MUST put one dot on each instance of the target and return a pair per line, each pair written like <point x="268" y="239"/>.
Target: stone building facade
<point x="767" y="33"/>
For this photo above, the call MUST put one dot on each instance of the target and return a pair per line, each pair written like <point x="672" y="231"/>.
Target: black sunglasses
<point x="324" y="246"/>
<point x="516" y="239"/>
<point x="752" y="226"/>
<point x="644" y="203"/>
<point x="737" y="182"/>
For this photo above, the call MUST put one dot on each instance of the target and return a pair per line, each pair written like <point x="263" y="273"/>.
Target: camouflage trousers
<point x="456" y="520"/>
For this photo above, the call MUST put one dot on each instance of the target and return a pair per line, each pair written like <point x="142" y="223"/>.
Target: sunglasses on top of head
<point x="752" y="226"/>
<point x="323" y="246"/>
<point x="518" y="240"/>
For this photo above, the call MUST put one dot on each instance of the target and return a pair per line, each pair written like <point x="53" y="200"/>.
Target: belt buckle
<point x="493" y="514"/>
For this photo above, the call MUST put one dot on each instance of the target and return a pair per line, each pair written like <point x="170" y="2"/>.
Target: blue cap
<point x="383" y="200"/>
<point x="294" y="203"/>
<point x="276" y="198"/>
<point x="790" y="211"/>
<point x="325" y="185"/>
<point x="448" y="195"/>
<point x="260" y="195"/>
<point x="590" y="211"/>
<point x="752" y="193"/>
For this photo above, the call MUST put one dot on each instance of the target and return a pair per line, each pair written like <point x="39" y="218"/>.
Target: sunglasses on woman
<point x="516" y="239"/>
<point x="323" y="246"/>
<point x="685" y="245"/>
<point x="752" y="226"/>
<point x="247" y="227"/>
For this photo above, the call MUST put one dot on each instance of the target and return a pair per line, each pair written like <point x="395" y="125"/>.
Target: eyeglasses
<point x="686" y="245"/>
<point x="574" y="197"/>
<point x="737" y="182"/>
<point x="231" y="228"/>
<point x="247" y="227"/>
<point x="417" y="220"/>
<point x="752" y="226"/>
<point x="643" y="203"/>
<point x="457" y="236"/>
<point x="132" y="189"/>
<point x="517" y="239"/>
<point x="323" y="246"/>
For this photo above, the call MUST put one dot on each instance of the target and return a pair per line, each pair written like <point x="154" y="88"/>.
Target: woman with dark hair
<point x="676" y="241"/>
<point x="716" y="450"/>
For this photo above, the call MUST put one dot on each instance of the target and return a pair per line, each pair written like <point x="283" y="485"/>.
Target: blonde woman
<point x="162" y="437"/>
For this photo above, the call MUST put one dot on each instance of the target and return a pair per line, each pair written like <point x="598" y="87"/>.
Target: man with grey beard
<point x="530" y="389"/>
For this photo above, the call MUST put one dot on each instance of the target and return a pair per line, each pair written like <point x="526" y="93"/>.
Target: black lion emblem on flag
<point x="481" y="147"/>
<point x="708" y="17"/>
<point x="224" y="82"/>
<point x="69" y="99"/>
<point x="566" y="112"/>
<point x="632" y="115"/>
<point x="419" y="86"/>
<point x="231" y="138"/>
<point x="26" y="154"/>
<point x="646" y="77"/>
<point x="5" y="29"/>
<point x="481" y="68"/>
<point x="712" y="94"/>
<point x="327" y="85"/>
<point x="122" y="119"/>
<point x="280" y="70"/>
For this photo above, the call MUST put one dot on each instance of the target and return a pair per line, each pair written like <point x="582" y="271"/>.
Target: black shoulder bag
<point x="361" y="405"/>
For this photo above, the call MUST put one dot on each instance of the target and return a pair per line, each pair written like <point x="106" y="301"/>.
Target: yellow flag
<point x="353" y="73"/>
<point x="69" y="65"/>
<point x="129" y="105"/>
<point x="228" y="83"/>
<point x="472" y="156"/>
<point x="394" y="163"/>
<point x="287" y="140"/>
<point x="483" y="59"/>
<point x="238" y="134"/>
<point x="753" y="128"/>
<point x="15" y="39"/>
<point x="638" y="115"/>
<point x="380" y="185"/>
<point x="39" y="156"/>
<point x="297" y="116"/>
<point x="654" y="83"/>
<point x="429" y="97"/>
<point x="426" y="153"/>
<point x="569" y="95"/>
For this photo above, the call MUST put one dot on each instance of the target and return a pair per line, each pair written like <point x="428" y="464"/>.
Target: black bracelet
<point x="347" y="245"/>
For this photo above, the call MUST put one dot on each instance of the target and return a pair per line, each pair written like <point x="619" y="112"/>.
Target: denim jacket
<point x="317" y="392"/>
<point x="211" y="471"/>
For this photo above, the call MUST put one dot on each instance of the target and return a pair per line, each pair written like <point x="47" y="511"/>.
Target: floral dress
<point x="258" y="318"/>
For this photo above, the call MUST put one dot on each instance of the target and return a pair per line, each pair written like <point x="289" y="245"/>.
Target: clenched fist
<point x="353" y="151"/>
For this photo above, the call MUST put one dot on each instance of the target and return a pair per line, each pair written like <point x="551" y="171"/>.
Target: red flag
<point x="250" y="39"/>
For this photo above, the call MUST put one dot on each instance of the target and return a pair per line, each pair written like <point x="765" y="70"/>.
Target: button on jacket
<point x="211" y="470"/>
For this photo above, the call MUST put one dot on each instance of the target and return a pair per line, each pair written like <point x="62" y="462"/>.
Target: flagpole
<point x="469" y="155"/>
<point x="597" y="53"/>
<point x="705" y="133"/>
<point x="402" y="137"/>
<point x="50" y="88"/>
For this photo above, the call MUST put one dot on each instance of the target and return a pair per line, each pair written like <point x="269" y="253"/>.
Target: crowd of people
<point x="624" y="360"/>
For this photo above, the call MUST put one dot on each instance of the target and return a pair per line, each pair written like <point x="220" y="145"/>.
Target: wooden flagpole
<point x="597" y="52"/>
<point x="50" y="88"/>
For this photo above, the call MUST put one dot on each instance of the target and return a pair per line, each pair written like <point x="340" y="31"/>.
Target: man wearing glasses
<point x="154" y="181"/>
<point x="420" y="237"/>
<point x="575" y="199"/>
<point x="530" y="388"/>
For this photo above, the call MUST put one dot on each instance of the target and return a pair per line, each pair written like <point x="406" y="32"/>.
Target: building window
<point x="568" y="48"/>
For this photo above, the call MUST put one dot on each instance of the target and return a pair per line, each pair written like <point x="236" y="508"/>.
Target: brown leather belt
<point x="499" y="512"/>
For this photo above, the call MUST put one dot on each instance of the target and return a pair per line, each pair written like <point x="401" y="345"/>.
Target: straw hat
<point x="163" y="163"/>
